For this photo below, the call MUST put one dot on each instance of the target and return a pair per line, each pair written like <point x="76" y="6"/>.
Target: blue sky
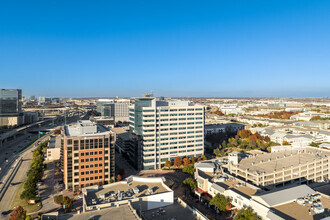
<point x="273" y="48"/>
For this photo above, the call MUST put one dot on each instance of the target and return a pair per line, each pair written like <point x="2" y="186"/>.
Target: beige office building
<point x="88" y="155"/>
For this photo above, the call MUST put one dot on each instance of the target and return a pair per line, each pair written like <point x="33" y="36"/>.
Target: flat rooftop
<point x="85" y="128"/>
<point x="122" y="212"/>
<point x="172" y="211"/>
<point x="229" y="184"/>
<point x="297" y="211"/>
<point x="268" y="162"/>
<point x="54" y="142"/>
<point x="122" y="132"/>
<point x="110" y="191"/>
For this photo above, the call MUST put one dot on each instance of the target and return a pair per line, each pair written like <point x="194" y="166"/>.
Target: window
<point x="82" y="160"/>
<point x="82" y="173"/>
<point x="82" y="154"/>
<point x="87" y="160"/>
<point x="82" y="166"/>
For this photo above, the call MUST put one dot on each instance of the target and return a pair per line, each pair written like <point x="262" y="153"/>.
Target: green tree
<point x="168" y="163"/>
<point x="28" y="217"/>
<point x="217" y="152"/>
<point x="189" y="169"/>
<point x="220" y="202"/>
<point x="67" y="202"/>
<point x="190" y="182"/>
<point x="203" y="157"/>
<point x="244" y="214"/>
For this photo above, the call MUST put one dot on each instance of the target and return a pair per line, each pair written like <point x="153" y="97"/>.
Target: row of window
<point x="90" y="172"/>
<point x="87" y="141"/>
<point x="92" y="159"/>
<point x="91" y="178"/>
<point x="174" y="110"/>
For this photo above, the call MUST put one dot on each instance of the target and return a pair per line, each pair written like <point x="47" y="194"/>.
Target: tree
<point x="203" y="157"/>
<point x="220" y="202"/>
<point x="217" y="152"/>
<point x="267" y="139"/>
<point x="67" y="202"/>
<point x="243" y="214"/>
<point x="177" y="161"/>
<point x="118" y="177"/>
<point x="168" y="163"/>
<point x="193" y="161"/>
<point x="28" y="217"/>
<point x="285" y="143"/>
<point x="111" y="180"/>
<point x="186" y="161"/>
<point x="17" y="214"/>
<point x="190" y="182"/>
<point x="58" y="199"/>
<point x="189" y="169"/>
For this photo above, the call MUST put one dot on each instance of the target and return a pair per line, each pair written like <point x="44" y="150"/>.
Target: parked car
<point x="4" y="213"/>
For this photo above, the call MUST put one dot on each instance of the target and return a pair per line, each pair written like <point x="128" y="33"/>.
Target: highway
<point x="14" y="171"/>
<point x="16" y="176"/>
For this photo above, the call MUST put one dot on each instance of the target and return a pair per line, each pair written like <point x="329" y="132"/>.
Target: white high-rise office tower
<point x="163" y="130"/>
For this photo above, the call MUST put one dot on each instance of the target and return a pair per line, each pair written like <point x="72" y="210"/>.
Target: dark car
<point x="5" y="213"/>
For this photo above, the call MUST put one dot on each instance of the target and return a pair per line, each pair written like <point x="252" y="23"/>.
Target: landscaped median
<point x="26" y="196"/>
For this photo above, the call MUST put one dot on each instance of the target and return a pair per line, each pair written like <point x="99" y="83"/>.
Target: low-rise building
<point x="54" y="148"/>
<point x="143" y="193"/>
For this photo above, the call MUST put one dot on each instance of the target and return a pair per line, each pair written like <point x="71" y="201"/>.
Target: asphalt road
<point x="8" y="194"/>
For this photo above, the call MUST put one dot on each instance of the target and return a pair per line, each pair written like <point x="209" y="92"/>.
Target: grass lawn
<point x="19" y="202"/>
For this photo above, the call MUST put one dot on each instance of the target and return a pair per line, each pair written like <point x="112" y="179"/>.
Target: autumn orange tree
<point x="186" y="161"/>
<point x="118" y="177"/>
<point x="177" y="161"/>
<point x="17" y="214"/>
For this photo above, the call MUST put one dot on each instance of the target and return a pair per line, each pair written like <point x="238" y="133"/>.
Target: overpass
<point x="10" y="135"/>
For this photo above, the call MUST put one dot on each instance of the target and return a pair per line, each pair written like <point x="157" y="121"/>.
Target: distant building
<point x="223" y="128"/>
<point x="10" y="107"/>
<point x="88" y="155"/>
<point x="44" y="100"/>
<point x="163" y="130"/>
<point x="116" y="109"/>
